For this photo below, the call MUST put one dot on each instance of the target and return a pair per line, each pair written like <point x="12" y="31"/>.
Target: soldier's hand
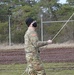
<point x="49" y="41"/>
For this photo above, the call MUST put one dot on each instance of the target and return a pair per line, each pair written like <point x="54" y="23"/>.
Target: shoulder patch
<point x="34" y="34"/>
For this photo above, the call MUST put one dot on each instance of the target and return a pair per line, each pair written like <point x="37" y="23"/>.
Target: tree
<point x="51" y="10"/>
<point x="49" y="7"/>
<point x="31" y="2"/>
<point x="3" y="32"/>
<point x="3" y="13"/>
<point x="70" y="2"/>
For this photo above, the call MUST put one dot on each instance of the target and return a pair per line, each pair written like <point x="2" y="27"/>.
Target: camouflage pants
<point x="34" y="65"/>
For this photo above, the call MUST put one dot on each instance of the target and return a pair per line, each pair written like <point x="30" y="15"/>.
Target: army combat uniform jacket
<point x="32" y="44"/>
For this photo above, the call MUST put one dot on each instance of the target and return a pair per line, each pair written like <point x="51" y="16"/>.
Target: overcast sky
<point x="62" y="1"/>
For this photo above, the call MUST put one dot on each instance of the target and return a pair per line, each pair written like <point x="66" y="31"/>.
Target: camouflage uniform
<point x="32" y="44"/>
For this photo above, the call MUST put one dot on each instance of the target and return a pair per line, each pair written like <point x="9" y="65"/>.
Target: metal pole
<point x="57" y="21"/>
<point x="41" y="28"/>
<point x="9" y="31"/>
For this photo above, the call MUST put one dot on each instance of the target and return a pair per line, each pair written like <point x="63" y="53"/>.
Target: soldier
<point x="32" y="44"/>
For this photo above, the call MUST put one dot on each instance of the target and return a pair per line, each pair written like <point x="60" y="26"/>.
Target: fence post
<point x="9" y="16"/>
<point x="41" y="27"/>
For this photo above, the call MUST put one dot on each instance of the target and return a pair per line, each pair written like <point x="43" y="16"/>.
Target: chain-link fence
<point x="59" y="31"/>
<point x="11" y="31"/>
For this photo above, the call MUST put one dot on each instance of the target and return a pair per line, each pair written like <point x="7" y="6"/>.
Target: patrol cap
<point x="29" y="21"/>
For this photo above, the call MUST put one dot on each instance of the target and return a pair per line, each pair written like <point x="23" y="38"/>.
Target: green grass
<point x="51" y="69"/>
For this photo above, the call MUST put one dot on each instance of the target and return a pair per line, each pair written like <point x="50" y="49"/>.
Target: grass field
<point x="51" y="69"/>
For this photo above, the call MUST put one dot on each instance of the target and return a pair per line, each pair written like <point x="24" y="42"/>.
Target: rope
<point x="23" y="73"/>
<point x="62" y="27"/>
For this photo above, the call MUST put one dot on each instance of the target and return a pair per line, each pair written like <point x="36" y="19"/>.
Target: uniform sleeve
<point x="25" y="39"/>
<point x="35" y="41"/>
<point x="41" y="43"/>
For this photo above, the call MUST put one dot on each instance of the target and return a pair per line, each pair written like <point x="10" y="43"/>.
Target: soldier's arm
<point x="41" y="43"/>
<point x="35" y="41"/>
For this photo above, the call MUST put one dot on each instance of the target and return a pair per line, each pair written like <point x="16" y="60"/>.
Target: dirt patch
<point x="62" y="54"/>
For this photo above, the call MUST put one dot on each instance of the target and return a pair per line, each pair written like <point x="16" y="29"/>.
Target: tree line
<point x="19" y="10"/>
